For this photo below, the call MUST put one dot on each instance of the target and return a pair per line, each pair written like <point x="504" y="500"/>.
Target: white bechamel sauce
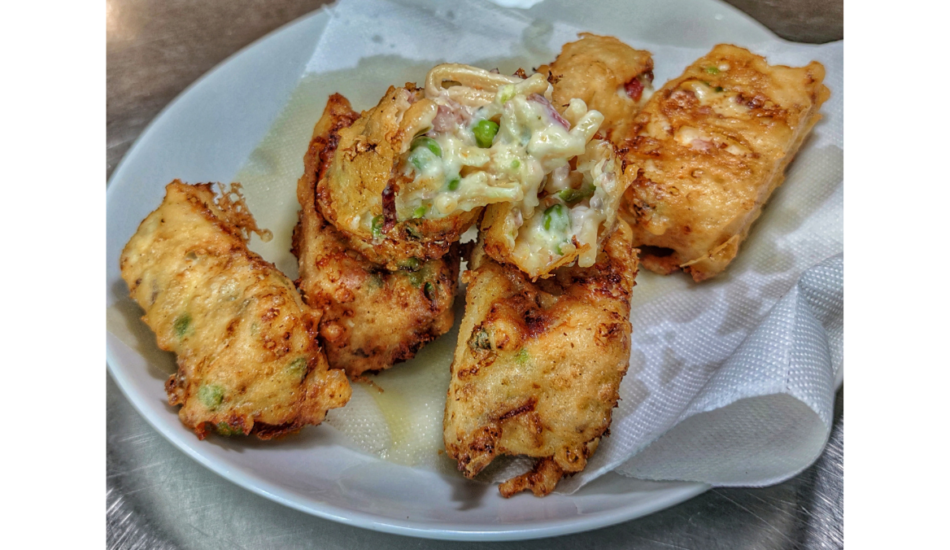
<point x="536" y="247"/>
<point x="530" y="143"/>
<point x="527" y="165"/>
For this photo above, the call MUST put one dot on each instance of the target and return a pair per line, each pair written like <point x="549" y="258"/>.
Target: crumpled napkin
<point x="731" y="381"/>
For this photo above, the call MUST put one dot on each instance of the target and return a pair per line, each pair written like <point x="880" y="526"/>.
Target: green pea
<point x="376" y="281"/>
<point x="515" y="164"/>
<point x="420" y="212"/>
<point x="507" y="92"/>
<point x="377" y="227"/>
<point x="181" y="324"/>
<point x="421" y="147"/>
<point x="570" y="196"/>
<point x="298" y="367"/>
<point x="417" y="278"/>
<point x="419" y="158"/>
<point x="485" y="132"/>
<point x="454" y="183"/>
<point x="428" y="143"/>
<point x="556" y="219"/>
<point x="223" y="428"/>
<point x="211" y="395"/>
<point x="712" y="70"/>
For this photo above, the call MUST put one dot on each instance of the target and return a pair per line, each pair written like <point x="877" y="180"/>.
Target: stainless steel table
<point x="159" y="498"/>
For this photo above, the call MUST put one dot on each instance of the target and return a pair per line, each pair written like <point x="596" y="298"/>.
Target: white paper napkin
<point x="731" y="381"/>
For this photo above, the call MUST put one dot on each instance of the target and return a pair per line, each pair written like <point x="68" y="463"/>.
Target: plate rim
<point x="266" y="489"/>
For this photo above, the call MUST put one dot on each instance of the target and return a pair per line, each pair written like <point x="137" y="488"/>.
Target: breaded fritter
<point x="248" y="356"/>
<point x="610" y="76"/>
<point x="538" y="366"/>
<point x="710" y="148"/>
<point x="372" y="317"/>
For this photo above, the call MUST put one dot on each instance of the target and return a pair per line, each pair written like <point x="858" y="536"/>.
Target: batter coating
<point x="248" y="357"/>
<point x="372" y="317"/>
<point x="608" y="75"/>
<point x="710" y="147"/>
<point x="538" y="365"/>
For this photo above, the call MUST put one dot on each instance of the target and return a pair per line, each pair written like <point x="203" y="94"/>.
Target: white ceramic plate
<point x="205" y="135"/>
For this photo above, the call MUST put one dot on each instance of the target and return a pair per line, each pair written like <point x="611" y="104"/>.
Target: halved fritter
<point x="248" y="357"/>
<point x="413" y="173"/>
<point x="567" y="221"/>
<point x="710" y="147"/>
<point x="608" y="75"/>
<point x="356" y="192"/>
<point x="372" y="317"/>
<point x="538" y="365"/>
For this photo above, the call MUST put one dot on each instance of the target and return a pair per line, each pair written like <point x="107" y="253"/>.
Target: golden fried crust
<point x="710" y="148"/>
<point x="607" y="74"/>
<point x="538" y="365"/>
<point x="541" y="480"/>
<point x="372" y="317"/>
<point x="248" y="357"/>
<point x="361" y="183"/>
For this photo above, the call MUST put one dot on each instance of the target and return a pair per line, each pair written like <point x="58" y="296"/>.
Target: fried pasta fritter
<point x="248" y="357"/>
<point x="416" y="171"/>
<point x="372" y="317"/>
<point x="358" y="193"/>
<point x="538" y="365"/>
<point x="572" y="212"/>
<point x="710" y="147"/>
<point x="608" y="75"/>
